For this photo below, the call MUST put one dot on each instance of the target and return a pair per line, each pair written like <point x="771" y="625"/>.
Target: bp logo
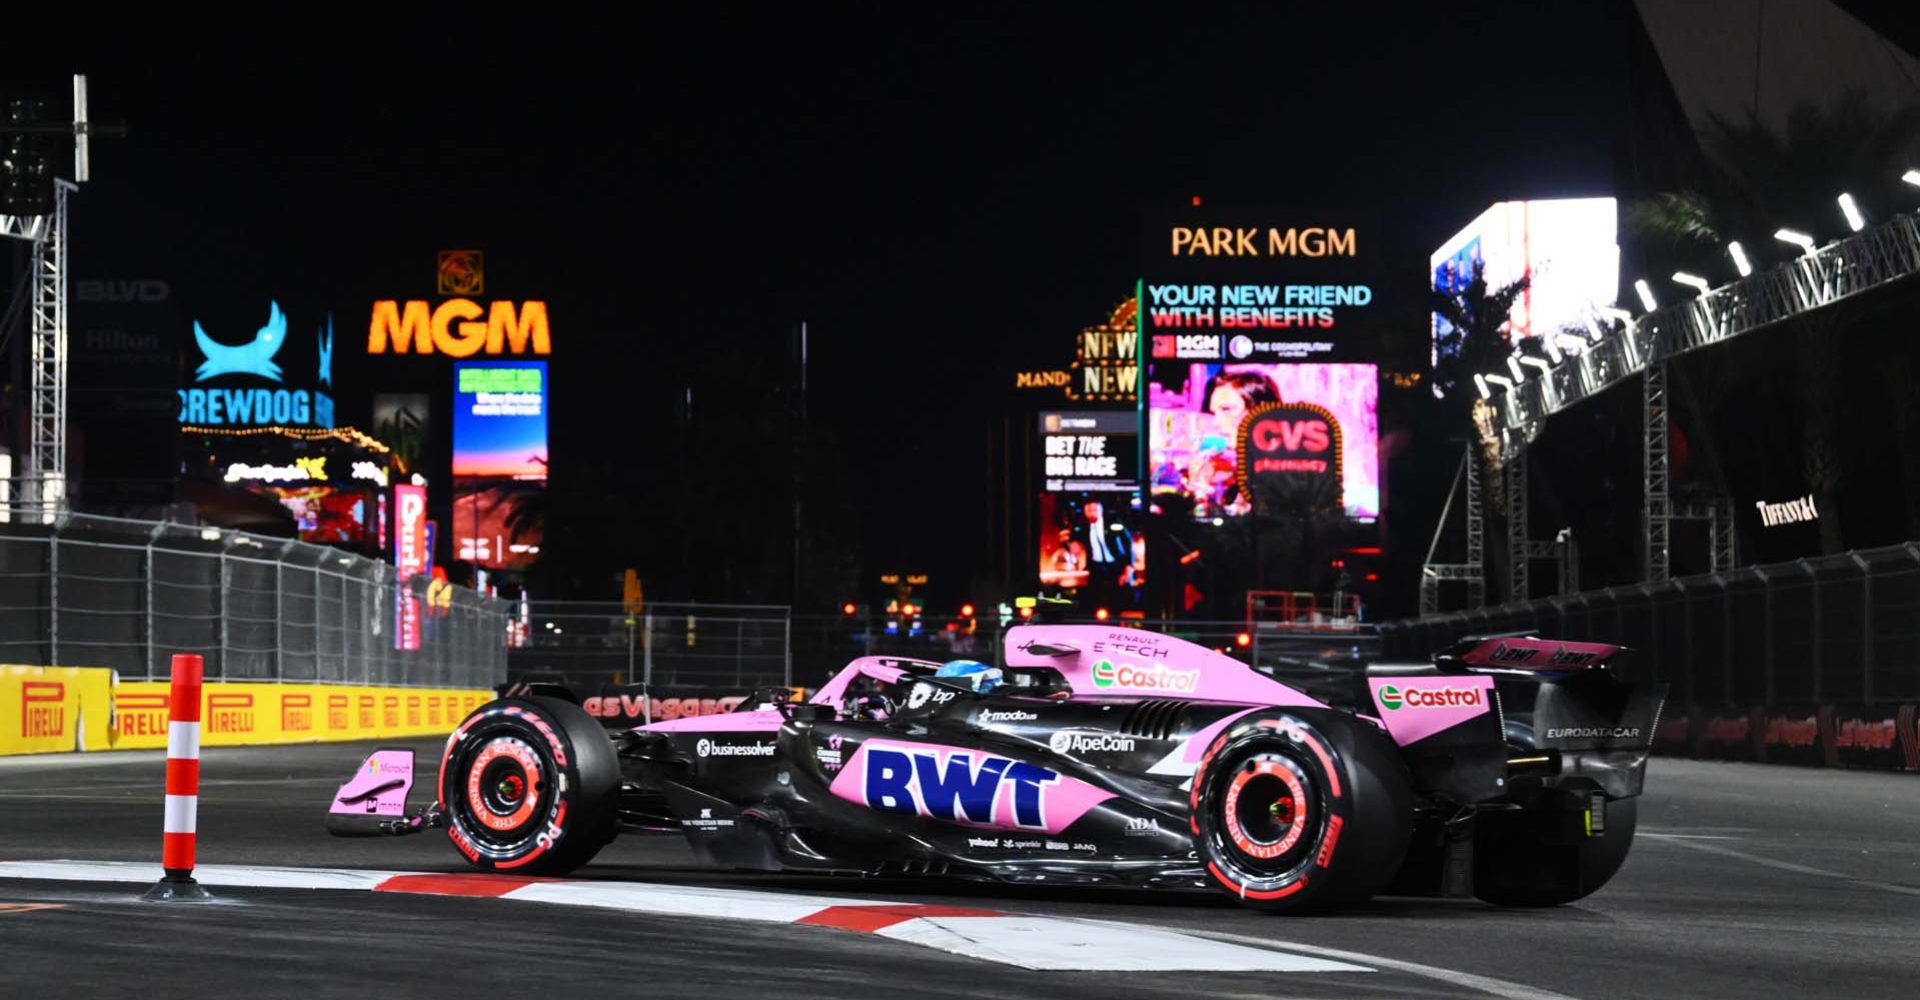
<point x="1391" y="698"/>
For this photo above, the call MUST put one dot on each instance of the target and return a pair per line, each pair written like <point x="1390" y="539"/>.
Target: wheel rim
<point x="1267" y="812"/>
<point x="506" y="790"/>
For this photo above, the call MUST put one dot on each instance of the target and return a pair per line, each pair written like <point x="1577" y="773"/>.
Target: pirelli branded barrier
<point x="54" y="709"/>
<point x="1884" y="737"/>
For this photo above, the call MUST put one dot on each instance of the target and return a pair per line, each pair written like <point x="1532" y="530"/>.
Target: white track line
<point x="1785" y="866"/>
<point x="1027" y="942"/>
<point x="1486" y="984"/>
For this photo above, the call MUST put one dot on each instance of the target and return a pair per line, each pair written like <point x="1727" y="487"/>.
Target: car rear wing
<point x="1528" y="654"/>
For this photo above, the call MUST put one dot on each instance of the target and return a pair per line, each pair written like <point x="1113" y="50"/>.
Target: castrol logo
<point x="1394" y="698"/>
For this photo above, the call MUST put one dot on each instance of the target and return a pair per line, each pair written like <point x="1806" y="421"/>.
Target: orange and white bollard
<point x="183" y="784"/>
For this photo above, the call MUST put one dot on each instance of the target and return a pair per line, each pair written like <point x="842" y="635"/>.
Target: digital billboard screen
<point x="1090" y="450"/>
<point x="500" y="419"/>
<point x="1567" y="247"/>
<point x="499" y="460"/>
<point x="1221" y="435"/>
<point x="1089" y="541"/>
<point x="328" y="515"/>
<point x="409" y="560"/>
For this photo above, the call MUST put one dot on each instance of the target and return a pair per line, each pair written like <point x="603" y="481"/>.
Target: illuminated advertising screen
<point x="484" y="532"/>
<point x="328" y="515"/>
<point x="1567" y="247"/>
<point x="253" y="373"/>
<point x="1303" y="435"/>
<point x="1089" y="541"/>
<point x="409" y="561"/>
<point x="500" y="419"/>
<point x="1090" y="450"/>
<point x="1259" y="286"/>
<point x="499" y="460"/>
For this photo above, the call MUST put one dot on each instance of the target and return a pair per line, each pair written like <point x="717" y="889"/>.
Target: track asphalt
<point x="1746" y="880"/>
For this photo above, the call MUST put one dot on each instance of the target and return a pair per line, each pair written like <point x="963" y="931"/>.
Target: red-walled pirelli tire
<point x="530" y="786"/>
<point x="1301" y="811"/>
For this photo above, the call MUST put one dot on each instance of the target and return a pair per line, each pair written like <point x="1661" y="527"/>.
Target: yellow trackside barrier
<point x="54" y="709"/>
<point x="237" y="713"/>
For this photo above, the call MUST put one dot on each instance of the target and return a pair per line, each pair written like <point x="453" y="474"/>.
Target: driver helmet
<point x="979" y="676"/>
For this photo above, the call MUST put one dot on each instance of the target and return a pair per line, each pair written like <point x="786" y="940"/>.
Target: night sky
<point x="943" y="200"/>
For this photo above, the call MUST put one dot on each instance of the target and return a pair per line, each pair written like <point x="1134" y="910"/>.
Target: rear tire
<point x="1532" y="857"/>
<point x="530" y="786"/>
<point x="1300" y="812"/>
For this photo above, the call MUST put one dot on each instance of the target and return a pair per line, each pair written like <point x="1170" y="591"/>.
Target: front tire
<point x="1535" y="857"/>
<point x="1300" y="812"/>
<point x="530" y="786"/>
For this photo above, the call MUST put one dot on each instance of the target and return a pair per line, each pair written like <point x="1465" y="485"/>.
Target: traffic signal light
<point x="848" y="609"/>
<point x="966" y="611"/>
<point x="1026" y="612"/>
<point x="26" y="168"/>
<point x="1243" y="640"/>
<point x="1101" y="614"/>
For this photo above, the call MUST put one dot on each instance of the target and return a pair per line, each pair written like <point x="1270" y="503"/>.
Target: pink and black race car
<point x="1506" y="769"/>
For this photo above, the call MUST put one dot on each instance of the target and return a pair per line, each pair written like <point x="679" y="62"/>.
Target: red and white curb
<point x="1027" y="942"/>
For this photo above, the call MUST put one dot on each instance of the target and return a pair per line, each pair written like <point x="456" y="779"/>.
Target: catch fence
<point x="81" y="590"/>
<point x="1842" y="628"/>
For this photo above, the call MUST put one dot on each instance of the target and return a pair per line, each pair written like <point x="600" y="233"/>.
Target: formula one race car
<point x="1507" y="769"/>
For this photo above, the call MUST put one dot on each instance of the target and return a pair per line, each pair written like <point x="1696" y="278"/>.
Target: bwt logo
<point x="962" y="788"/>
<point x="229" y="713"/>
<point x="43" y="709"/>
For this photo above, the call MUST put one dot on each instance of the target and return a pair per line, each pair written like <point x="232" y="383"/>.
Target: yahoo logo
<point x="956" y="786"/>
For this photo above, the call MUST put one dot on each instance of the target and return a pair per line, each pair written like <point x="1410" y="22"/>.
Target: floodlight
<point x="1740" y="261"/>
<point x="1852" y="212"/>
<point x="1799" y="239"/>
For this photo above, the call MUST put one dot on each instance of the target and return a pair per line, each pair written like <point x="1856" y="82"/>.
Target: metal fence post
<point x="1813" y="626"/>
<point x="1766" y="593"/>
<point x="280" y="614"/>
<point x="152" y="571"/>
<point x="786" y="645"/>
<point x="53" y="596"/>
<point x="1866" y="627"/>
<point x="223" y="600"/>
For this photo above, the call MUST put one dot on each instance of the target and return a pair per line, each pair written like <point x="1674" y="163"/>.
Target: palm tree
<point x="1753" y="181"/>
<point x="1476" y="342"/>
